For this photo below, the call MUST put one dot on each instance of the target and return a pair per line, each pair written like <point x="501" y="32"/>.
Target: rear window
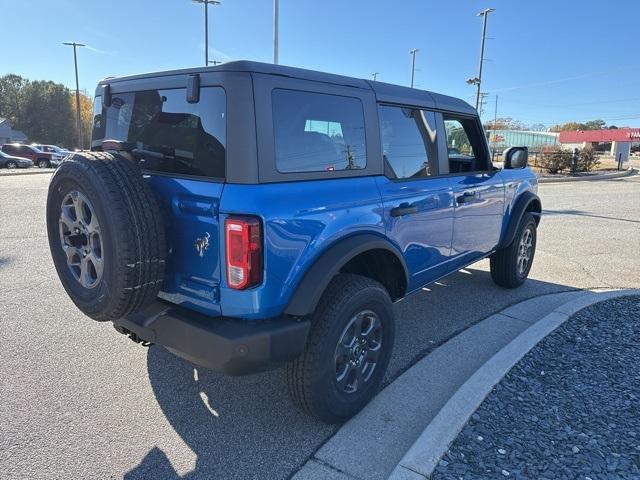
<point x="316" y="132"/>
<point x="172" y="135"/>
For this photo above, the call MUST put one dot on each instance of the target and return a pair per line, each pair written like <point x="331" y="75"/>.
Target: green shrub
<point x="555" y="160"/>
<point x="587" y="160"/>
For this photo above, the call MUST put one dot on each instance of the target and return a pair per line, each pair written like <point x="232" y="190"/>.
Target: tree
<point x="505" y="123"/>
<point x="47" y="115"/>
<point x="41" y="109"/>
<point x="538" y="127"/>
<point x="595" y="125"/>
<point x="11" y="97"/>
<point x="86" y="117"/>
<point x="572" y="126"/>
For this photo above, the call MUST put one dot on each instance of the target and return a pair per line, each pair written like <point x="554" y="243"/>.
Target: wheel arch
<point x="368" y="255"/>
<point x="527" y="202"/>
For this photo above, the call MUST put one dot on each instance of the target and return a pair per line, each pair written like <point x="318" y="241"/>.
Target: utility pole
<point x="214" y="62"/>
<point x="206" y="26"/>
<point x="495" y="122"/>
<point x="413" y="52"/>
<point x="375" y="76"/>
<point x="276" y="15"/>
<point x="484" y="14"/>
<point x="75" y="64"/>
<point x="483" y="96"/>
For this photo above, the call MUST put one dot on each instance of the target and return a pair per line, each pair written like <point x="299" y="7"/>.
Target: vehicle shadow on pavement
<point x="246" y="427"/>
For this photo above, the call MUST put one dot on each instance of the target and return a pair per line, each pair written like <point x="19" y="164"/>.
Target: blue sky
<point x="548" y="61"/>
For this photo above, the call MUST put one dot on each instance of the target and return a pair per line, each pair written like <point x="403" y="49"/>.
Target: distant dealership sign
<point x="613" y="135"/>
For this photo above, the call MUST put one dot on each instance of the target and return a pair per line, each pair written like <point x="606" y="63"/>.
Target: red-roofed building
<point x="620" y="139"/>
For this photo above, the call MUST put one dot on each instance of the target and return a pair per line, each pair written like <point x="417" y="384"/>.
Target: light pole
<point x="206" y="26"/>
<point x="478" y="80"/>
<point x="276" y="15"/>
<point x="75" y="64"/>
<point x="375" y="75"/>
<point x="413" y="52"/>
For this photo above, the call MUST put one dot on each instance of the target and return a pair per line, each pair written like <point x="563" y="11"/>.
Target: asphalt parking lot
<point x="78" y="400"/>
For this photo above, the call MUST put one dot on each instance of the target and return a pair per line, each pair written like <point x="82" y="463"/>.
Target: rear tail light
<point x="243" y="240"/>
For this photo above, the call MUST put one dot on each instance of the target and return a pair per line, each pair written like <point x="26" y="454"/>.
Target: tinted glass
<point x="408" y="141"/>
<point x="171" y="135"/>
<point x="9" y="149"/>
<point x="315" y="132"/>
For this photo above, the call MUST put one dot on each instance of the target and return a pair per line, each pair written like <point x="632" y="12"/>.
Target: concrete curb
<point x="422" y="458"/>
<point x="26" y="171"/>
<point x="605" y="176"/>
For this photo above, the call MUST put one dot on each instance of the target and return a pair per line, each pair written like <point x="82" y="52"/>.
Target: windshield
<point x="169" y="134"/>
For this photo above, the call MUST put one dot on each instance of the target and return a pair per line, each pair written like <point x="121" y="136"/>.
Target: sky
<point x="547" y="62"/>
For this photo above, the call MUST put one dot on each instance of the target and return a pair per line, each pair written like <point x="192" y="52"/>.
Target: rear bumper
<point x="231" y="346"/>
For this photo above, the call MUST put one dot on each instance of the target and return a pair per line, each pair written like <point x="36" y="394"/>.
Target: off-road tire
<point x="311" y="378"/>
<point x="504" y="262"/>
<point x="131" y="230"/>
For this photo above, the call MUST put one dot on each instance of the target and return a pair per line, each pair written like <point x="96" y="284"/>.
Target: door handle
<point x="403" y="209"/>
<point x="466" y="196"/>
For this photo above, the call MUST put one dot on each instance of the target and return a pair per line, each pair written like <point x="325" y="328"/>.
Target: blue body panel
<point x="516" y="182"/>
<point x="423" y="237"/>
<point x="190" y="209"/>
<point x="480" y="202"/>
<point x="301" y="220"/>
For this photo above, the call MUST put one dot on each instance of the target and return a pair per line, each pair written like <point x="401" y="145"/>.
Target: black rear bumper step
<point x="227" y="345"/>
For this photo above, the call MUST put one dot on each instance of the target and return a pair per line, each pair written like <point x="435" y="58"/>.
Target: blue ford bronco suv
<point x="250" y="215"/>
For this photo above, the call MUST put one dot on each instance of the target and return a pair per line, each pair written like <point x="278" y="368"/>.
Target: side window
<point x="316" y="132"/>
<point x="464" y="145"/>
<point x="408" y="141"/>
<point x="9" y="149"/>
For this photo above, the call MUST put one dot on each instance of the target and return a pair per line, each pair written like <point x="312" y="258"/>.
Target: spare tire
<point x="106" y="234"/>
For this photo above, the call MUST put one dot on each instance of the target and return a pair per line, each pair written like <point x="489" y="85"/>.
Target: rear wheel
<point x="11" y="164"/>
<point x="348" y="350"/>
<point x="510" y="266"/>
<point x="43" y="163"/>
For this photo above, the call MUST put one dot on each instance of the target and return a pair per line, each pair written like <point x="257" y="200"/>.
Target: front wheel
<point x="348" y="350"/>
<point x="510" y="266"/>
<point x="42" y="163"/>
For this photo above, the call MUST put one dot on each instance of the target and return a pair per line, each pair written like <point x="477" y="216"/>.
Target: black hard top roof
<point x="385" y="92"/>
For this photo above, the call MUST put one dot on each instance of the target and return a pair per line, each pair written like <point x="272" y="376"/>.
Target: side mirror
<point x="106" y="95"/>
<point x="516" y="157"/>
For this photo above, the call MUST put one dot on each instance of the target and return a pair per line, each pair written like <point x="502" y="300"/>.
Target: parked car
<point x="251" y="215"/>
<point x="61" y="152"/>
<point x="8" y="161"/>
<point x="39" y="158"/>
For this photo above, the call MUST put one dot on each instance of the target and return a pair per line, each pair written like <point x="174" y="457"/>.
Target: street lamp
<point x="75" y="63"/>
<point x="478" y="80"/>
<point x="276" y="15"/>
<point x="413" y="52"/>
<point x="206" y="26"/>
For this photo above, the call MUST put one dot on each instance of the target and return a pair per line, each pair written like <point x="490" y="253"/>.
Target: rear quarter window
<point x="316" y="132"/>
<point x="178" y="137"/>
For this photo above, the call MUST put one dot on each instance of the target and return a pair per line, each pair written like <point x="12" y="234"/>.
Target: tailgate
<point x="190" y="210"/>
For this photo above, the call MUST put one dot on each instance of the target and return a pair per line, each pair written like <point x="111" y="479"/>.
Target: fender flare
<point x="517" y="212"/>
<point x="314" y="282"/>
